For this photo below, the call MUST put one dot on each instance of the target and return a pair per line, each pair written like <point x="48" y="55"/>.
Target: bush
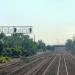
<point x="4" y="59"/>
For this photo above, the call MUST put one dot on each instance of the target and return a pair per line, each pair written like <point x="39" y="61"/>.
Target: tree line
<point x="70" y="45"/>
<point x="19" y="44"/>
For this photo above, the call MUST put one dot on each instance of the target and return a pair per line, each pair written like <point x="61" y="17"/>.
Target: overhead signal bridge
<point x="16" y="29"/>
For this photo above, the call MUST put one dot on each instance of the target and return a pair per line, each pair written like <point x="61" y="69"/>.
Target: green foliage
<point x="12" y="52"/>
<point x="1" y="47"/>
<point x="1" y="43"/>
<point x="18" y="45"/>
<point x="50" y="48"/>
<point x="70" y="44"/>
<point x="2" y="35"/>
<point x="4" y="59"/>
<point x="41" y="45"/>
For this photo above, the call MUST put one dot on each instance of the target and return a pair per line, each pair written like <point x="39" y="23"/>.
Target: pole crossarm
<point x="16" y="29"/>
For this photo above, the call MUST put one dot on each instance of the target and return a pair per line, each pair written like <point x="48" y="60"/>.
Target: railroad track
<point x="23" y="68"/>
<point x="9" y="63"/>
<point x="16" y="61"/>
<point x="8" y="69"/>
<point x="40" y="68"/>
<point x="62" y="64"/>
<point x="70" y="62"/>
<point x="5" y="70"/>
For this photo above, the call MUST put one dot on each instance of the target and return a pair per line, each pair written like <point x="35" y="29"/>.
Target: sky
<point x="53" y="21"/>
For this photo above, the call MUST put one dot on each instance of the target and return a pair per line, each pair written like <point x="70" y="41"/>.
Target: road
<point x="58" y="64"/>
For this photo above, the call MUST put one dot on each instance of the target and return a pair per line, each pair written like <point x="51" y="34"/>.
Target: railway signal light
<point x="15" y="30"/>
<point x="30" y="30"/>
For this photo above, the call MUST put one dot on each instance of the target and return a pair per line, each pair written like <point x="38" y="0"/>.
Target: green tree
<point x="41" y="45"/>
<point x="19" y="44"/>
<point x="69" y="44"/>
<point x="1" y="42"/>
